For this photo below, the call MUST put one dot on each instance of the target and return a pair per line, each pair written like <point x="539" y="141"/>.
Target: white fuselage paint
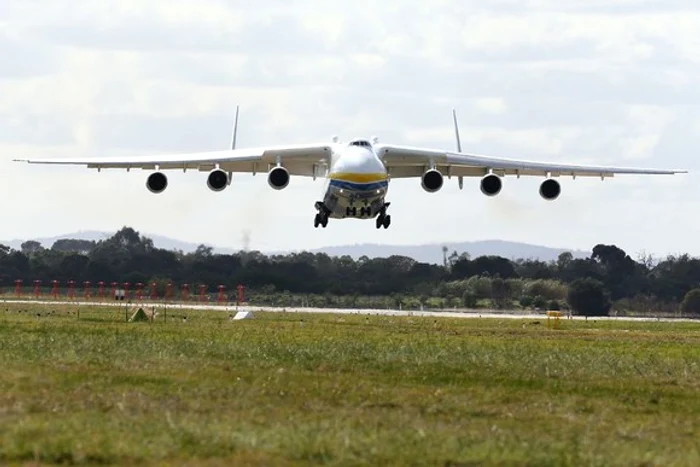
<point x="357" y="182"/>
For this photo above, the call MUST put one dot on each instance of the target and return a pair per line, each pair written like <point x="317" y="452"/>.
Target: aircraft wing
<point x="303" y="159"/>
<point x="406" y="161"/>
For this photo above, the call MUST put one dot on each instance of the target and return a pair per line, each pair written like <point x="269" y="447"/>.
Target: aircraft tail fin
<point x="459" y="142"/>
<point x="235" y="130"/>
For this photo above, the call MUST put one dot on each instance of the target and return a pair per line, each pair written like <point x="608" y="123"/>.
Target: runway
<point x="351" y="311"/>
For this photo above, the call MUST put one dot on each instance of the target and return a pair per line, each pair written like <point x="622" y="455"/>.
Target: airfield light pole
<point x="54" y="289"/>
<point x="202" y="291"/>
<point x="71" y="290"/>
<point x="139" y="291"/>
<point x="185" y="292"/>
<point x="37" y="288"/>
<point x="86" y="290"/>
<point x="168" y="291"/>
<point x="220" y="297"/>
<point x="154" y="291"/>
<point x="18" y="288"/>
<point x="126" y="291"/>
<point x="240" y="297"/>
<point x="101" y="290"/>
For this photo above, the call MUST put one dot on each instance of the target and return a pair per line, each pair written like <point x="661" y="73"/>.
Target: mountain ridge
<point x="428" y="252"/>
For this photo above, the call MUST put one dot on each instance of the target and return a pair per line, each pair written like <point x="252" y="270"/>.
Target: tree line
<point x="608" y="279"/>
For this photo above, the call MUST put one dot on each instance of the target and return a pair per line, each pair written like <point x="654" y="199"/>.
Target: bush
<point x="469" y="299"/>
<point x="526" y="301"/>
<point x="588" y="297"/>
<point x="691" y="302"/>
<point x="539" y="302"/>
<point x="549" y="289"/>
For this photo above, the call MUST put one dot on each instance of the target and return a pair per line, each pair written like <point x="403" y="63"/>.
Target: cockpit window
<point x="360" y="142"/>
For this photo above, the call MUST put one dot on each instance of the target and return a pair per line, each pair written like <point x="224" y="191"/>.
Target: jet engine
<point x="550" y="189"/>
<point x="491" y="185"/>
<point x="157" y="182"/>
<point x="278" y="178"/>
<point x="217" y="180"/>
<point x="432" y="180"/>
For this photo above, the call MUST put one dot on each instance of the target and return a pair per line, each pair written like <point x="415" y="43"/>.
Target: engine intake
<point x="550" y="189"/>
<point x="157" y="182"/>
<point x="278" y="178"/>
<point x="432" y="180"/>
<point x="491" y="185"/>
<point x="217" y="180"/>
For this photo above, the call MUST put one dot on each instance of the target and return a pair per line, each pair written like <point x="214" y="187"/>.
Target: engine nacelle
<point x="217" y="180"/>
<point x="157" y="182"/>
<point x="432" y="180"/>
<point x="491" y="185"/>
<point x="278" y="178"/>
<point x="550" y="189"/>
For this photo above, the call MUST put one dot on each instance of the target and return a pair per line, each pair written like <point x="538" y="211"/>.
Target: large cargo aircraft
<point x="357" y="172"/>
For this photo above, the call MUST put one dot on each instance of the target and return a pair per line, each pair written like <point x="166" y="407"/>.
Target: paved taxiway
<point x="356" y="311"/>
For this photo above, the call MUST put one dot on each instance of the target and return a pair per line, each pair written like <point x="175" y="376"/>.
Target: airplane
<point x="357" y="173"/>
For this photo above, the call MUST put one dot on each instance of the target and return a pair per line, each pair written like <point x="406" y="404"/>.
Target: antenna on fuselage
<point x="235" y="130"/>
<point x="454" y="118"/>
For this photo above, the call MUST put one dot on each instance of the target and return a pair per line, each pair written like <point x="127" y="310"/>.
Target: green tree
<point x="588" y="297"/>
<point x="691" y="303"/>
<point x="30" y="247"/>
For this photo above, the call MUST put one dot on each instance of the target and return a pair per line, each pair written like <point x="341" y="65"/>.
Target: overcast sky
<point x="584" y="81"/>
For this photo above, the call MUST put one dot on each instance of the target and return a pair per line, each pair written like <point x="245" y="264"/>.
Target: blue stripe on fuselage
<point x="359" y="186"/>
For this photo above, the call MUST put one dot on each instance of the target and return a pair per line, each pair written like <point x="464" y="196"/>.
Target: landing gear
<point x="383" y="219"/>
<point x="364" y="211"/>
<point x="321" y="217"/>
<point x="321" y="220"/>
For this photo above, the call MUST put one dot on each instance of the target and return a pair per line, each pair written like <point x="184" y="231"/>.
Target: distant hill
<point x="159" y="241"/>
<point x="427" y="253"/>
<point x="432" y="253"/>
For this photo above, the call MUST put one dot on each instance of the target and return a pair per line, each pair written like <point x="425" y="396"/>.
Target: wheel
<point x="387" y="221"/>
<point x="380" y="221"/>
<point x="317" y="220"/>
<point x="324" y="221"/>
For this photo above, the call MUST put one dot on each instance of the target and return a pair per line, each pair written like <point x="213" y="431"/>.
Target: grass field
<point x="294" y="389"/>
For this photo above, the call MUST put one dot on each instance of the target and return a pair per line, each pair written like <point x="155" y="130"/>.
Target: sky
<point x="612" y="82"/>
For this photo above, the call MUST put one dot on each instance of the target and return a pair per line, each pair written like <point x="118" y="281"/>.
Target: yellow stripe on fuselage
<point x="355" y="177"/>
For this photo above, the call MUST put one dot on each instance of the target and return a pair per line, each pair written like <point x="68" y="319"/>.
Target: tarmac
<point x="502" y="314"/>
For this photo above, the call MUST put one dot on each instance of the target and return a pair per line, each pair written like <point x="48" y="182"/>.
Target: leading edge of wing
<point x="564" y="169"/>
<point x="209" y="157"/>
<point x="405" y="155"/>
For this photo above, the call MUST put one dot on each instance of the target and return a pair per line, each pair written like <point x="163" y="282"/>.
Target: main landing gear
<point x="384" y="219"/>
<point x="321" y="216"/>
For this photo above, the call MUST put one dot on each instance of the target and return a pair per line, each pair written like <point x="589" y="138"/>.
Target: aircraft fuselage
<point x="356" y="184"/>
